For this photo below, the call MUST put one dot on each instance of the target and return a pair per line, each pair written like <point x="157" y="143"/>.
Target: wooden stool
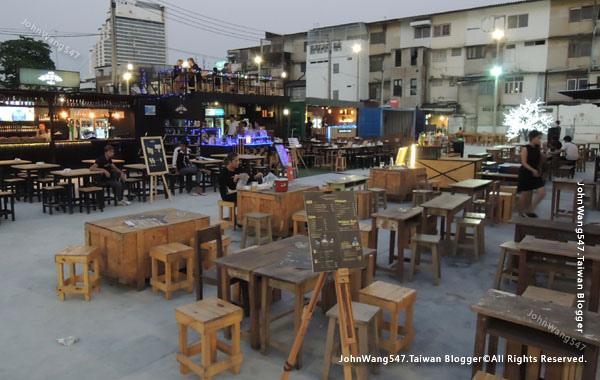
<point x="231" y="216"/>
<point x="565" y="171"/>
<point x="365" y="321"/>
<point x="378" y="195"/>
<point x="475" y="215"/>
<point x="480" y="375"/>
<point x="340" y="162"/>
<point x="16" y="185"/>
<point x="421" y="196"/>
<point x="365" y="231"/>
<point x="394" y="299"/>
<point x="363" y="204"/>
<point x="207" y="317"/>
<point x="134" y="187"/>
<point x="580" y="165"/>
<point x="549" y="295"/>
<point x="78" y="254"/>
<point x="478" y="238"/>
<point x="591" y="186"/>
<point x="513" y="191"/>
<point x="171" y="254"/>
<point x="505" y="270"/>
<point x="92" y="196"/>
<point x="7" y="204"/>
<point x="52" y="197"/>
<point x="257" y="218"/>
<point x="432" y="242"/>
<point x="300" y="219"/>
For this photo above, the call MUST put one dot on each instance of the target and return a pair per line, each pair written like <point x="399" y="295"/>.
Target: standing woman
<point x="530" y="176"/>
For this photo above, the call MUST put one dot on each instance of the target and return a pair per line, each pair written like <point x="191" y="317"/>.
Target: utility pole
<point x="381" y="88"/>
<point x="329" y="66"/>
<point x="592" y="61"/>
<point x="261" y="58"/>
<point x="113" y="45"/>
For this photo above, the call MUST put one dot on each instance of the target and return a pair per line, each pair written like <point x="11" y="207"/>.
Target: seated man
<point x="571" y="151"/>
<point x="229" y="177"/>
<point x="183" y="166"/>
<point x="112" y="175"/>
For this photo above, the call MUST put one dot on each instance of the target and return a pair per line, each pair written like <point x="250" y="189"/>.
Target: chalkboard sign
<point x="154" y="155"/>
<point x="333" y="231"/>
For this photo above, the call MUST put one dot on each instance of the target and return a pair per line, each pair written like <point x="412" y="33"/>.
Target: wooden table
<point x="28" y="168"/>
<point x="504" y="177"/>
<point x="125" y="249"/>
<point x="5" y="163"/>
<point x="281" y="206"/>
<point x="348" y="182"/>
<point x="563" y="184"/>
<point x="508" y="316"/>
<point x="93" y="161"/>
<point x="470" y="186"/>
<point x="446" y="206"/>
<point x="201" y="164"/>
<point x="449" y="170"/>
<point x="396" y="220"/>
<point x="399" y="181"/>
<point x="553" y="230"/>
<point x="483" y="155"/>
<point x="79" y="174"/>
<point x="564" y="252"/>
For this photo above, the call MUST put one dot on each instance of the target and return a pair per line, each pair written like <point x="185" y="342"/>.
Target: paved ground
<point x="126" y="334"/>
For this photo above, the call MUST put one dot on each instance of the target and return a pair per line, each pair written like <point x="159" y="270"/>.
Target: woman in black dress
<point x="530" y="176"/>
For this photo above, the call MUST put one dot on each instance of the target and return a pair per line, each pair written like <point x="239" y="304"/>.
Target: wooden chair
<point x="365" y="321"/>
<point x="83" y="284"/>
<point x="231" y="216"/>
<point x="432" y="242"/>
<point x="505" y="270"/>
<point x="477" y="238"/>
<point x="207" y="317"/>
<point x="300" y="219"/>
<point x="258" y="218"/>
<point x="171" y="255"/>
<point x="394" y="299"/>
<point x="379" y="195"/>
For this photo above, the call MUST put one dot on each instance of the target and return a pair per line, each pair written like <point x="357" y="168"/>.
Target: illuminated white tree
<point x="526" y="117"/>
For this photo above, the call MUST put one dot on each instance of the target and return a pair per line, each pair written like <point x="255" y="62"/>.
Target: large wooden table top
<point x="498" y="175"/>
<point x="173" y="216"/>
<point x="13" y="162"/>
<point x="35" y="166"/>
<point x="472" y="183"/>
<point x="349" y="179"/>
<point x="551" y="247"/>
<point x="447" y="201"/>
<point x="516" y="309"/>
<point x="206" y="162"/>
<point x="76" y="173"/>
<point x="135" y="166"/>
<point x="293" y="188"/>
<point x="93" y="161"/>
<point x="398" y="214"/>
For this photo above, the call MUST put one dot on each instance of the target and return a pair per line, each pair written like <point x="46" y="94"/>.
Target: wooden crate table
<point x="449" y="170"/>
<point x="29" y="168"/>
<point x="83" y="177"/>
<point x="553" y="230"/>
<point x="565" y="253"/>
<point x="523" y="321"/>
<point x="398" y="181"/>
<point x="281" y="206"/>
<point x="348" y="182"/>
<point x="397" y="221"/>
<point x="125" y="249"/>
<point x="446" y="206"/>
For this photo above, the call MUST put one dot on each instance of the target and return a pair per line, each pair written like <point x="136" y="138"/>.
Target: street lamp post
<point x="356" y="48"/>
<point x="127" y="77"/>
<point x="497" y="35"/>
<point x="258" y="60"/>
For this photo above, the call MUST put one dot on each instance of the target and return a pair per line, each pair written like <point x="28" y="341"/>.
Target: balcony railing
<point x="185" y="82"/>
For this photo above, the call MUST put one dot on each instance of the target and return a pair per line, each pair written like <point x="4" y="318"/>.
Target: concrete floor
<point x="126" y="334"/>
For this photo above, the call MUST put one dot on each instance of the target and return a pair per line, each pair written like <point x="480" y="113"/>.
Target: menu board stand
<point x="156" y="164"/>
<point x="340" y="256"/>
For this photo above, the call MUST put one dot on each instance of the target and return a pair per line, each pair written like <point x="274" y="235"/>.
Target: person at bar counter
<point x="232" y="127"/>
<point x="183" y="166"/>
<point x="530" y="176"/>
<point x="229" y="177"/>
<point x="308" y="128"/>
<point x="112" y="174"/>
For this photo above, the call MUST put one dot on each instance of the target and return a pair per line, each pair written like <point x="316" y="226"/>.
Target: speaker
<point x="553" y="132"/>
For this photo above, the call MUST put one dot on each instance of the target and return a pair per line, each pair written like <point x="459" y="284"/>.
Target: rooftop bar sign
<point x="52" y="78"/>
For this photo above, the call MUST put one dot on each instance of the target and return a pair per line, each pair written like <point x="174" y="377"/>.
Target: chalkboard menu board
<point x="154" y="155"/>
<point x="333" y="231"/>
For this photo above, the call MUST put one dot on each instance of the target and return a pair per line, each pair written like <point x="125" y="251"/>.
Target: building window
<point x="302" y="67"/>
<point x="305" y="43"/>
<point x="535" y="43"/>
<point x="476" y="52"/>
<point x="413" y="86"/>
<point x="518" y="21"/>
<point x="580" y="47"/>
<point x="375" y="63"/>
<point x="337" y="45"/>
<point x="513" y="85"/>
<point x="581" y="13"/>
<point x="373" y="90"/>
<point x="398" y="58"/>
<point x="377" y="38"/>
<point x="397" y="87"/>
<point x="436" y="82"/>
<point x="423" y="32"/>
<point x="414" y="56"/>
<point x="336" y="94"/>
<point x="577" y="84"/>
<point x="438" y="55"/>
<point x="486" y="88"/>
<point x="441" y="30"/>
<point x="336" y="68"/>
<point x="456" y="52"/>
<point x="508" y="47"/>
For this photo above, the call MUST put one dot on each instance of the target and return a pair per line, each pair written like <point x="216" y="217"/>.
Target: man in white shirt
<point x="571" y="151"/>
<point x="233" y="126"/>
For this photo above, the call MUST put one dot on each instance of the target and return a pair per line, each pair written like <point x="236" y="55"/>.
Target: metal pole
<point x="358" y="77"/>
<point x="261" y="57"/>
<point x="495" y="121"/>
<point x="381" y="88"/>
<point x="127" y="82"/>
<point x="329" y="65"/>
<point x="113" y="45"/>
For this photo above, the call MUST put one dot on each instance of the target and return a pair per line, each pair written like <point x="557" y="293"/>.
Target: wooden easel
<point x="156" y="164"/>
<point x="154" y="187"/>
<point x="341" y="278"/>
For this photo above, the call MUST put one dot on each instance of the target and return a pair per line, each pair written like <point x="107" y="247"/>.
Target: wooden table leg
<point x="298" y="311"/>
<point x="523" y="272"/>
<point x="225" y="293"/>
<point x="492" y="350"/>
<point x="591" y="357"/>
<point x="254" y="322"/>
<point x="400" y="266"/>
<point x="480" y="335"/>
<point x="595" y="287"/>
<point x="266" y="296"/>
